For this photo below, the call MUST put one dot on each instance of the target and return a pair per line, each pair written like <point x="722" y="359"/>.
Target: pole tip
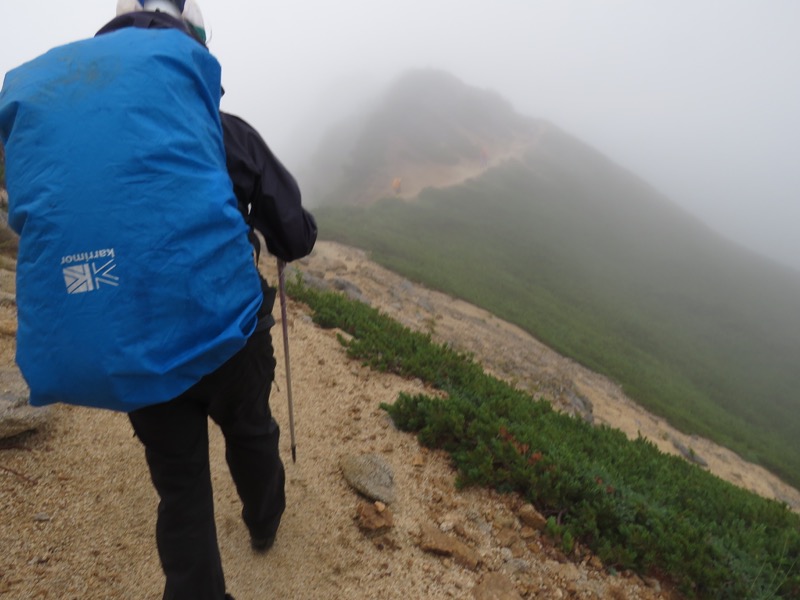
<point x="294" y="454"/>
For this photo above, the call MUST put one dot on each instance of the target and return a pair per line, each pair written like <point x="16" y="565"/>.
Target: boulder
<point x="370" y="475"/>
<point x="17" y="416"/>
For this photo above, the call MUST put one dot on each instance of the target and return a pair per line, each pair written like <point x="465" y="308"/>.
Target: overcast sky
<point x="699" y="97"/>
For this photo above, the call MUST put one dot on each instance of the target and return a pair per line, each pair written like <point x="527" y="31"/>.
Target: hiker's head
<point x="188" y="10"/>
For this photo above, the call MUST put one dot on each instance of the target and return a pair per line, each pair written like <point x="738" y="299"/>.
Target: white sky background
<point x="699" y="97"/>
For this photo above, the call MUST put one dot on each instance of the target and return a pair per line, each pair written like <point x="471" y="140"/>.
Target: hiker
<point x="397" y="185"/>
<point x="191" y="339"/>
<point x="235" y="396"/>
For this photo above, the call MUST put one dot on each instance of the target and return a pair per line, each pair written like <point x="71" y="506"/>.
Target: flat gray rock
<point x="689" y="453"/>
<point x="370" y="475"/>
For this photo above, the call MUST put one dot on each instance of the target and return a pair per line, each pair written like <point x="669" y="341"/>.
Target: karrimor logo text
<point x="88" y="271"/>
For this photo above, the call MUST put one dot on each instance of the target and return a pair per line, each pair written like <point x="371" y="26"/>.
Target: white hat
<point x="188" y="10"/>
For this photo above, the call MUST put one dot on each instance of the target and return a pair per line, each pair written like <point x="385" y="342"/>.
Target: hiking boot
<point x="262" y="545"/>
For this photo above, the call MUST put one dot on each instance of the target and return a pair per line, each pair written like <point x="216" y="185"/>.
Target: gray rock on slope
<point x="17" y="416"/>
<point x="689" y="453"/>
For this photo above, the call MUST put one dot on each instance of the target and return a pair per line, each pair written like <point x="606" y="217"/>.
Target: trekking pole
<point x="282" y="290"/>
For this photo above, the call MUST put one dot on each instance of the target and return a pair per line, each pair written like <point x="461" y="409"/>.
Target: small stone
<point x="434" y="541"/>
<point x="337" y="266"/>
<point x="653" y="583"/>
<point x="503" y="521"/>
<point x="496" y="587"/>
<point x="518" y="549"/>
<point x="532" y="517"/>
<point x="518" y="565"/>
<point x="373" y="522"/>
<point x="507" y="537"/>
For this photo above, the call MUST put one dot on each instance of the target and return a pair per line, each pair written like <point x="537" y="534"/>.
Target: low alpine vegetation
<point x="632" y="505"/>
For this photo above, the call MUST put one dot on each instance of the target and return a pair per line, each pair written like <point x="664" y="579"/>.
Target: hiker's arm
<point x="263" y="184"/>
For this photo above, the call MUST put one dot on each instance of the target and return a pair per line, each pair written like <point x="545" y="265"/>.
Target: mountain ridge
<point x="582" y="253"/>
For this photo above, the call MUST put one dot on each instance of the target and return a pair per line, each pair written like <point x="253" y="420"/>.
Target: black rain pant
<point x="175" y="437"/>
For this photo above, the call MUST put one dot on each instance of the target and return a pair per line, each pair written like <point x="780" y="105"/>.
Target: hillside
<point x="578" y="251"/>
<point x="83" y="476"/>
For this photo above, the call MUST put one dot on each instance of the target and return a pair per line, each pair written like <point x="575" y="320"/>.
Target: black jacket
<point x="267" y="193"/>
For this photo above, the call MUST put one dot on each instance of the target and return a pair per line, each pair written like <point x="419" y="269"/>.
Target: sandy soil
<point x="78" y="509"/>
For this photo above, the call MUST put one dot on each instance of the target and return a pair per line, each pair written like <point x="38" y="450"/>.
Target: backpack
<point x="135" y="277"/>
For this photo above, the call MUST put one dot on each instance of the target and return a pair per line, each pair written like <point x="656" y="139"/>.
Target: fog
<point x="699" y="97"/>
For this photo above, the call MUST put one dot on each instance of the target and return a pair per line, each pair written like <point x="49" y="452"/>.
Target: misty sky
<point x="699" y="97"/>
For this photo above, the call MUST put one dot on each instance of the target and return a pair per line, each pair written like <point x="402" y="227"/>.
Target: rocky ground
<point x="78" y="510"/>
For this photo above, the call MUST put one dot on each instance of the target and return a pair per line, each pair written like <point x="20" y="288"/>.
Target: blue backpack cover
<point x="135" y="277"/>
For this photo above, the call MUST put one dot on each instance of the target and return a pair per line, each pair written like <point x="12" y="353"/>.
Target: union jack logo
<point x="88" y="277"/>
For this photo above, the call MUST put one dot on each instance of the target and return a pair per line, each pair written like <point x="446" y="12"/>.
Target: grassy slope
<point x="603" y="270"/>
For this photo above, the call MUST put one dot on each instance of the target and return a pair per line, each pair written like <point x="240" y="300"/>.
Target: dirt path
<point x="414" y="177"/>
